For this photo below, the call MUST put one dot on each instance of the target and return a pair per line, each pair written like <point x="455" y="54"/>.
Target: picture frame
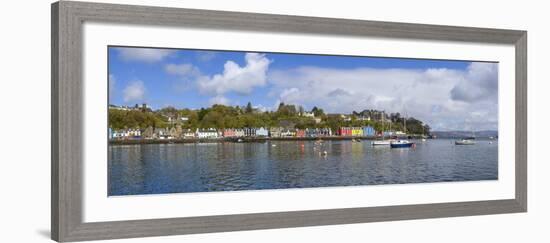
<point x="67" y="119"/>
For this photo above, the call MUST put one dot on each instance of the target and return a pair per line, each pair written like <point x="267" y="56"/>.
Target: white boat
<point x="381" y="143"/>
<point x="465" y="142"/>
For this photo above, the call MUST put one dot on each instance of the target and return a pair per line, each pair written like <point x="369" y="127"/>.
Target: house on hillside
<point x="307" y="114"/>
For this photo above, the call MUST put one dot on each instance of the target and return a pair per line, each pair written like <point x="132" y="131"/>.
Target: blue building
<point x="369" y="131"/>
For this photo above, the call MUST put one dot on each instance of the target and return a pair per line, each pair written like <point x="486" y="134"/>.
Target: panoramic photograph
<point x="187" y="120"/>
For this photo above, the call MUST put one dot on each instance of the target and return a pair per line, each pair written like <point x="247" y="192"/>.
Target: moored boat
<point x="465" y="142"/>
<point x="401" y="144"/>
<point x="381" y="143"/>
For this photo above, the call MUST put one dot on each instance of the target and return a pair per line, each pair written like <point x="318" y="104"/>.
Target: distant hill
<point x="463" y="134"/>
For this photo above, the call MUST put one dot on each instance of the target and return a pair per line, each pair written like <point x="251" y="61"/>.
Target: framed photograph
<point x="173" y="121"/>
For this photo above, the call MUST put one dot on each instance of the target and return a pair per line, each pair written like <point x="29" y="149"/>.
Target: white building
<point x="207" y="133"/>
<point x="239" y="133"/>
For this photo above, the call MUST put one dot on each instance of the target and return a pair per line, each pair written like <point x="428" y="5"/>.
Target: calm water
<point x="172" y="168"/>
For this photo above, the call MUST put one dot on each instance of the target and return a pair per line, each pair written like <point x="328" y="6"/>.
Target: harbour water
<point x="207" y="167"/>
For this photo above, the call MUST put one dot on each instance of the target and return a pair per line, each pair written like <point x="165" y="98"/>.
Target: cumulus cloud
<point x="480" y="82"/>
<point x="235" y="78"/>
<point x="149" y="55"/>
<point x="219" y="100"/>
<point x="134" y="91"/>
<point x="446" y="99"/>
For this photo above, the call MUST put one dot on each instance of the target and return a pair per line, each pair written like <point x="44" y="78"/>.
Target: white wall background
<point x="25" y="120"/>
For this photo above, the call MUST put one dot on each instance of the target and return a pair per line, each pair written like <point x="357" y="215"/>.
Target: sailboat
<point x="383" y="142"/>
<point x="402" y="143"/>
<point x="423" y="135"/>
<point x="467" y="141"/>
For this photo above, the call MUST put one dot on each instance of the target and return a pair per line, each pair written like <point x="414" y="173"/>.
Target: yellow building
<point x="356" y="132"/>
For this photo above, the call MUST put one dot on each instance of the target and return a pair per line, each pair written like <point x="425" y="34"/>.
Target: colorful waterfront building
<point x="345" y="131"/>
<point x="188" y="133"/>
<point x="249" y="132"/>
<point x="300" y="133"/>
<point x="369" y="131"/>
<point x="207" y="133"/>
<point x="288" y="133"/>
<point x="162" y="133"/>
<point x="312" y="132"/>
<point x="324" y="132"/>
<point x="275" y="132"/>
<point x="119" y="134"/>
<point x="148" y="133"/>
<point x="356" y="131"/>
<point x="228" y="133"/>
<point x="262" y="132"/>
<point x="239" y="133"/>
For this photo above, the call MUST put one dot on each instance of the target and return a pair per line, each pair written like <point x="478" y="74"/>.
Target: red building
<point x="229" y="133"/>
<point x="345" y="131"/>
<point x="300" y="133"/>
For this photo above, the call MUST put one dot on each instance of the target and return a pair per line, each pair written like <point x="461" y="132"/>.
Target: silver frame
<point x="67" y="119"/>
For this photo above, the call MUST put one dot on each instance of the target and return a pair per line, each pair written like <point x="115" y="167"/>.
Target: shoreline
<point x="242" y="140"/>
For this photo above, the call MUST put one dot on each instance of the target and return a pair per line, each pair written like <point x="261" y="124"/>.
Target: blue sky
<point x="460" y="93"/>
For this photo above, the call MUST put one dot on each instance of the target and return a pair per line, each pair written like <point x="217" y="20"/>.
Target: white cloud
<point x="149" y="55"/>
<point x="436" y="96"/>
<point x="134" y="92"/>
<point x="480" y="82"/>
<point x="241" y="80"/>
<point x="219" y="100"/>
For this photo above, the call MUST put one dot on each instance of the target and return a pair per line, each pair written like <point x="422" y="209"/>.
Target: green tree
<point x="249" y="108"/>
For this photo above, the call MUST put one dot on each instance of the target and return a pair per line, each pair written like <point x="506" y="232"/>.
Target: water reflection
<point x="170" y="168"/>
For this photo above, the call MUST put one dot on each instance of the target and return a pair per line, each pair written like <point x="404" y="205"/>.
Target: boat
<point x="384" y="141"/>
<point x="465" y="142"/>
<point x="401" y="144"/>
<point x="381" y="143"/>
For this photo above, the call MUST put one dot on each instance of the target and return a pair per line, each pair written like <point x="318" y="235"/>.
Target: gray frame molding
<point x="67" y="123"/>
